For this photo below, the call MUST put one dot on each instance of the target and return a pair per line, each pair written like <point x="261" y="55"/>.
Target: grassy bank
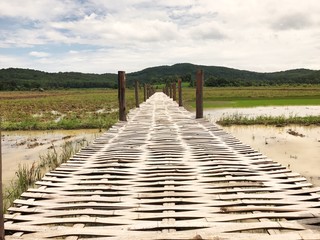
<point x="254" y="96"/>
<point x="268" y="120"/>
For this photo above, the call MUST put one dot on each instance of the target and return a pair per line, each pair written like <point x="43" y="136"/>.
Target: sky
<point x="100" y="36"/>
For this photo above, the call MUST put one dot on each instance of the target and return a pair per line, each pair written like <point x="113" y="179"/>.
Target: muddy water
<point x="299" y="111"/>
<point x="25" y="147"/>
<point x="300" y="153"/>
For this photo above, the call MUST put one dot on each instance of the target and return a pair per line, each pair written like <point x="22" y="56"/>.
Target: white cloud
<point x="296" y="21"/>
<point x="39" y="54"/>
<point x="7" y="61"/>
<point x="40" y="10"/>
<point x="255" y="35"/>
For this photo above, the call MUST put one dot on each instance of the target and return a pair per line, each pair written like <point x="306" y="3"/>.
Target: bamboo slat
<point x="165" y="175"/>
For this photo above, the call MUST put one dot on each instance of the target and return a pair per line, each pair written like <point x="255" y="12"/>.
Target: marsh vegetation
<point x="98" y="108"/>
<point x="27" y="175"/>
<point x="61" y="109"/>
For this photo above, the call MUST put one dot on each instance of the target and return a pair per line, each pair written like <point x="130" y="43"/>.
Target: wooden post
<point x="1" y="196"/>
<point x="145" y="92"/>
<point x="136" y="92"/>
<point x="170" y="89"/>
<point x="167" y="89"/>
<point x="180" y="92"/>
<point x="174" y="94"/>
<point x="121" y="95"/>
<point x="199" y="94"/>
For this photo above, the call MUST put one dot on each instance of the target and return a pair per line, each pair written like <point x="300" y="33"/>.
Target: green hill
<point x="223" y="76"/>
<point x="24" y="79"/>
<point x="182" y="69"/>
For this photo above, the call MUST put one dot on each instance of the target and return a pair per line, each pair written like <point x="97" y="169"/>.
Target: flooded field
<point x="295" y="147"/>
<point x="274" y="111"/>
<point x="299" y="152"/>
<point x="24" y="147"/>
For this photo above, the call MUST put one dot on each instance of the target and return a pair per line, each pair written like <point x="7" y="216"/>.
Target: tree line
<point x="27" y="79"/>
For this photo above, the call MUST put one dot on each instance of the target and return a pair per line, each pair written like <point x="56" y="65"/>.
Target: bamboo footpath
<point x="165" y="175"/>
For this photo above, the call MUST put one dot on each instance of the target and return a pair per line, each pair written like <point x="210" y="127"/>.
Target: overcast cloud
<point x="107" y="36"/>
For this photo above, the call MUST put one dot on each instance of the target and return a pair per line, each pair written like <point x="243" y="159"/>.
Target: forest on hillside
<point x="28" y="79"/>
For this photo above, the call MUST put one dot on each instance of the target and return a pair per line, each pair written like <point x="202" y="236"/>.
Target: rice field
<point x="98" y="108"/>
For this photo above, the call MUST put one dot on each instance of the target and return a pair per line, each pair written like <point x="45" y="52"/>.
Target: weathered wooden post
<point x="145" y="92"/>
<point x="199" y="94"/>
<point x="1" y="196"/>
<point x="180" y="92"/>
<point x="174" y="91"/>
<point x="136" y="92"/>
<point x="121" y="95"/>
<point x="167" y="89"/>
<point x="170" y="90"/>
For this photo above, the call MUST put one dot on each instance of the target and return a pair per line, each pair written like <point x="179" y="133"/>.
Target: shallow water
<point x="300" y="154"/>
<point x="25" y="147"/>
<point x="299" y="111"/>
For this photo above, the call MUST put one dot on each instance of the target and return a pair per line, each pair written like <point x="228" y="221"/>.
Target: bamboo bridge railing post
<point x="136" y="92"/>
<point x="199" y="94"/>
<point x="148" y="91"/>
<point x="145" y="92"/>
<point x="121" y="95"/>
<point x="174" y="91"/>
<point x="180" y="92"/>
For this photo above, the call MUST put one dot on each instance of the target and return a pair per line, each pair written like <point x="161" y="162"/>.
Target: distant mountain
<point x="182" y="69"/>
<point x="227" y="76"/>
<point x="23" y="79"/>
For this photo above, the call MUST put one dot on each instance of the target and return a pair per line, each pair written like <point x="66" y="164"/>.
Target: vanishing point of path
<point x="165" y="175"/>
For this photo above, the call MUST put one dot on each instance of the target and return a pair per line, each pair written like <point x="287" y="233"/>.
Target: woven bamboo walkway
<point x="165" y="175"/>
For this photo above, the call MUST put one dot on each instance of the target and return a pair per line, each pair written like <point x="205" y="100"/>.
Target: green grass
<point x="76" y="109"/>
<point x="161" y="86"/>
<point x="268" y="120"/>
<point x="254" y="97"/>
<point x="244" y="103"/>
<point x="72" y="121"/>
